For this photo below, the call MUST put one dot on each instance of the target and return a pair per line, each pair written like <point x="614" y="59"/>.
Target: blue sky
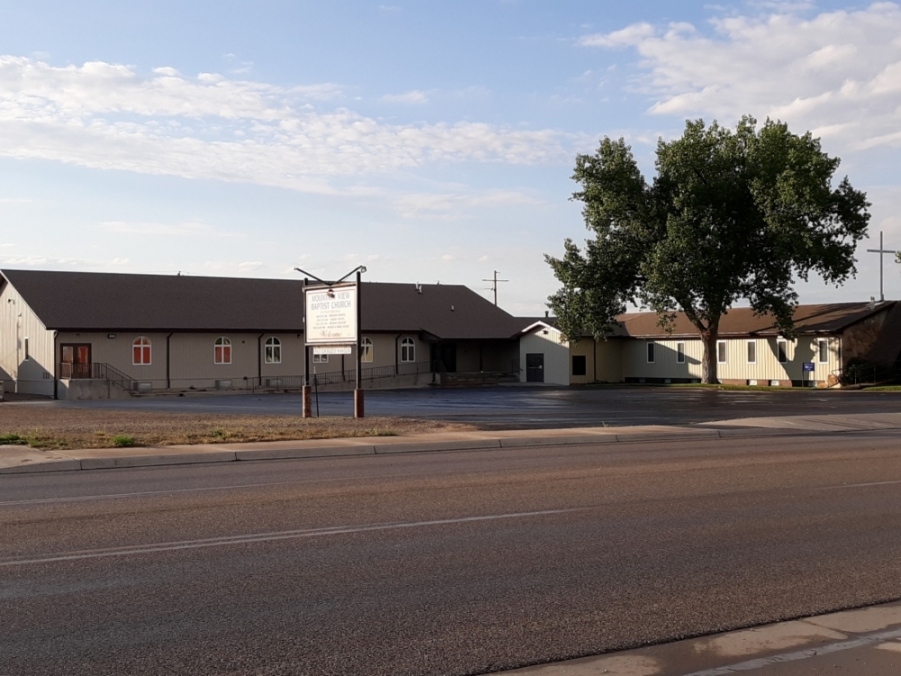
<point x="429" y="141"/>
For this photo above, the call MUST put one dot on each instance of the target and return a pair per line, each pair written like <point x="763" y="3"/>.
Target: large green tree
<point x="731" y="215"/>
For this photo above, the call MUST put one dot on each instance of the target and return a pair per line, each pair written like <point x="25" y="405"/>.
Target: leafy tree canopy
<point x="730" y="215"/>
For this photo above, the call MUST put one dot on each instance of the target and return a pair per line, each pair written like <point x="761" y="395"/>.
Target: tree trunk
<point x="709" y="362"/>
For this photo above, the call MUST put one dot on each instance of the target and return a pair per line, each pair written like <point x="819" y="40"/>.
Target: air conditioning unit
<point x="223" y="384"/>
<point x="142" y="386"/>
<point x="273" y="382"/>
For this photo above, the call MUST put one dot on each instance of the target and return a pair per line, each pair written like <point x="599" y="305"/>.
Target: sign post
<point x="808" y="368"/>
<point x="332" y="325"/>
<point x="358" y="385"/>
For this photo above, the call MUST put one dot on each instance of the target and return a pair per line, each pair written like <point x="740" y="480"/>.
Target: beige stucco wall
<point x="584" y="348"/>
<point x="31" y="374"/>
<point x="610" y="360"/>
<point x="192" y="357"/>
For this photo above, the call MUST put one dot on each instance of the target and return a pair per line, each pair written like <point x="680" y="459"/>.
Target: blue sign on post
<point x="808" y="367"/>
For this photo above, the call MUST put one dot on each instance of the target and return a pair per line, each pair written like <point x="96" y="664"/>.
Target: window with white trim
<point x="752" y="351"/>
<point x="273" y="352"/>
<point x="222" y="351"/>
<point x="680" y="353"/>
<point x="822" y="351"/>
<point x="407" y="350"/>
<point x="651" y="352"/>
<point x="366" y="350"/>
<point x="320" y="358"/>
<point x="721" y="351"/>
<point x="140" y="351"/>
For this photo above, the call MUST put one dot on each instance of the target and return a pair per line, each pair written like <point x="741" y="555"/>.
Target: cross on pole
<point x="495" y="280"/>
<point x="881" y="251"/>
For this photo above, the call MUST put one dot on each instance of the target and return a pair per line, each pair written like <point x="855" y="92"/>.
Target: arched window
<point x="273" y="351"/>
<point x="140" y="351"/>
<point x="222" y="351"/>
<point x="407" y="350"/>
<point x="366" y="350"/>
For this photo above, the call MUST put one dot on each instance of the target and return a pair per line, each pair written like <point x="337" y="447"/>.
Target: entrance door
<point x="75" y="361"/>
<point x="535" y="367"/>
<point x="447" y="353"/>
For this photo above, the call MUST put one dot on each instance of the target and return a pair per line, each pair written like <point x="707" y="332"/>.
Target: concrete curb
<point x="300" y="453"/>
<point x="155" y="460"/>
<point x="92" y="459"/>
<point x="43" y="466"/>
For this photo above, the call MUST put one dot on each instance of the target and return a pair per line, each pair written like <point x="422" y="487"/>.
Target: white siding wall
<point x="736" y="368"/>
<point x="555" y="349"/>
<point x="33" y="375"/>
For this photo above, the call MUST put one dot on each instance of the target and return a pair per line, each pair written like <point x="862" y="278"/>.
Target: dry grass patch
<point x="51" y="428"/>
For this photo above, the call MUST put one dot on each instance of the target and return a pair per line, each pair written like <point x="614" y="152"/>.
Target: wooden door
<point x="75" y="360"/>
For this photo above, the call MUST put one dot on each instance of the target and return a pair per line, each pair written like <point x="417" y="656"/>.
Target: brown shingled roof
<point x="826" y="318"/>
<point x="90" y="301"/>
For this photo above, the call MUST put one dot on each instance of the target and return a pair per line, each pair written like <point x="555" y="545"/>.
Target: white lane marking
<point x="270" y="537"/>
<point x="137" y="494"/>
<point x="867" y="485"/>
<point x="860" y="642"/>
<point x="175" y="491"/>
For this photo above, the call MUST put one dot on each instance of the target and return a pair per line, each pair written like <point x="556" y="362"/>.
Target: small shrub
<point x="123" y="440"/>
<point x="379" y="432"/>
<point x="13" y="439"/>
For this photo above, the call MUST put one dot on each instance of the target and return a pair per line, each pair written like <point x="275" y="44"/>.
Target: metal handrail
<point x="112" y="374"/>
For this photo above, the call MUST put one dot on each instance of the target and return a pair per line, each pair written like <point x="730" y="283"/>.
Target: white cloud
<point x="838" y="72"/>
<point x="15" y="200"/>
<point x="455" y="206"/>
<point x="109" y="116"/>
<point x="152" y="229"/>
<point x="46" y="262"/>
<point x="416" y="97"/>
<point x="625" y="37"/>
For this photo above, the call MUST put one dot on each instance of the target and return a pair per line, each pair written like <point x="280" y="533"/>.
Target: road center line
<point x="270" y="537"/>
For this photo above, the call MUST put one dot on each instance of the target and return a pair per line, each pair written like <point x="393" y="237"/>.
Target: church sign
<point x="331" y="315"/>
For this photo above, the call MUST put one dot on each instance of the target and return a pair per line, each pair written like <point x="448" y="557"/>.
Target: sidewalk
<point x="865" y="642"/>
<point x="22" y="459"/>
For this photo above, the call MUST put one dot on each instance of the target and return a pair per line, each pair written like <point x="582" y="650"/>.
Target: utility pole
<point x="881" y="251"/>
<point x="494" y="281"/>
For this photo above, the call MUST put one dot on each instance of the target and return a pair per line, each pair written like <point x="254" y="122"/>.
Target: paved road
<point x="444" y="563"/>
<point x="542" y="407"/>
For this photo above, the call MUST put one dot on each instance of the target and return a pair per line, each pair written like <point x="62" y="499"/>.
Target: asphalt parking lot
<point x="525" y="407"/>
